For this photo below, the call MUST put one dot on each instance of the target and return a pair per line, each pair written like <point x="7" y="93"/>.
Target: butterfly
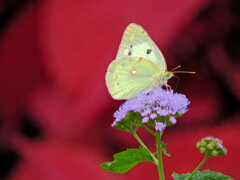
<point x="139" y="65"/>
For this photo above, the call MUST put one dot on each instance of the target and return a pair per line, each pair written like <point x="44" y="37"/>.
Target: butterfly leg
<point x="168" y="87"/>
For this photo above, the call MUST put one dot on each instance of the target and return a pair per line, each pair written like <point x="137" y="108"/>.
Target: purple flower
<point x="172" y="120"/>
<point x="163" y="103"/>
<point x="114" y="123"/>
<point x="209" y="138"/>
<point x="153" y="116"/>
<point x="145" y="119"/>
<point x="162" y="112"/>
<point x="169" y="101"/>
<point x="180" y="103"/>
<point x="120" y="113"/>
<point x="220" y="146"/>
<point x="159" y="126"/>
<point x="146" y="112"/>
<point x="219" y="140"/>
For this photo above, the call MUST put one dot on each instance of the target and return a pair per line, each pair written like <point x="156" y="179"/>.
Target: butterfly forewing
<point x="136" y="42"/>
<point x="128" y="76"/>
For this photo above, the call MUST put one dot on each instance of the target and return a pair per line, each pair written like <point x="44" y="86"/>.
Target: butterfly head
<point x="169" y="74"/>
<point x="163" y="78"/>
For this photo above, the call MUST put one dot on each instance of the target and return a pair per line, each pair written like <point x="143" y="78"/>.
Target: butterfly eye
<point x="169" y="74"/>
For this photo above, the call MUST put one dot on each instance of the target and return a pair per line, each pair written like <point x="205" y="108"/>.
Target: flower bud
<point x="224" y="151"/>
<point x="198" y="145"/>
<point x="214" y="153"/>
<point x="160" y="126"/>
<point x="211" y="146"/>
<point x="202" y="149"/>
<point x="145" y="119"/>
<point x="203" y="143"/>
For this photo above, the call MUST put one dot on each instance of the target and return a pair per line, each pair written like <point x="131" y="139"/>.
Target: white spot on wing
<point x="133" y="72"/>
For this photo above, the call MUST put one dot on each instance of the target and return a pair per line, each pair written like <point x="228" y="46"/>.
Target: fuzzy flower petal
<point x="220" y="146"/>
<point x="172" y="120"/>
<point x="162" y="112"/>
<point x="219" y="140"/>
<point x="153" y="116"/>
<point x="146" y="112"/>
<point x="159" y="126"/>
<point x="145" y="119"/>
<point x="209" y="138"/>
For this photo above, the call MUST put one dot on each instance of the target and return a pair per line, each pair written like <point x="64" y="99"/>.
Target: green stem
<point x="155" y="161"/>
<point x="159" y="152"/>
<point x="197" y="168"/>
<point x="149" y="130"/>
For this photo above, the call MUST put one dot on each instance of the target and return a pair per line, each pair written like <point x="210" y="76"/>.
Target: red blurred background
<point x="56" y="112"/>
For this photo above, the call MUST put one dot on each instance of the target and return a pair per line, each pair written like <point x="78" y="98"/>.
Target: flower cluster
<point x="211" y="146"/>
<point x="156" y="103"/>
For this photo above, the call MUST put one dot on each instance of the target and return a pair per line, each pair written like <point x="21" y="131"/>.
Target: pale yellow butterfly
<point x="139" y="65"/>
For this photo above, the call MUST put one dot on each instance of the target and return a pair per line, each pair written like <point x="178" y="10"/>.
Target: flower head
<point x="211" y="146"/>
<point x="156" y="103"/>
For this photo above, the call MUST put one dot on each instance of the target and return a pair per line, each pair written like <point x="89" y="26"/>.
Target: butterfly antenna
<point x="188" y="72"/>
<point x="176" y="68"/>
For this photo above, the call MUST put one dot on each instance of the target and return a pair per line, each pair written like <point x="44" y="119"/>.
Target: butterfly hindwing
<point x="128" y="76"/>
<point x="136" y="42"/>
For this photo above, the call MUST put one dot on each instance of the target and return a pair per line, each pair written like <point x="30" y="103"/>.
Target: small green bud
<point x="198" y="145"/>
<point x="223" y="152"/>
<point x="214" y="153"/>
<point x="203" y="143"/>
<point x="202" y="149"/>
<point x="210" y="146"/>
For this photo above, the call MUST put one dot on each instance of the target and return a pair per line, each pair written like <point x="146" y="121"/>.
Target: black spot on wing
<point x="149" y="51"/>
<point x="131" y="46"/>
<point x="129" y="53"/>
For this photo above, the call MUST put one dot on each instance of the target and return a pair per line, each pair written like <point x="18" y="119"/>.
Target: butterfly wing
<point x="128" y="76"/>
<point x="136" y="42"/>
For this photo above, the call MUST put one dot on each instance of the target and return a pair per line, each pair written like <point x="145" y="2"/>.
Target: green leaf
<point x="196" y="176"/>
<point x="206" y="175"/>
<point x="126" y="160"/>
<point x="213" y="175"/>
<point x="164" y="149"/>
